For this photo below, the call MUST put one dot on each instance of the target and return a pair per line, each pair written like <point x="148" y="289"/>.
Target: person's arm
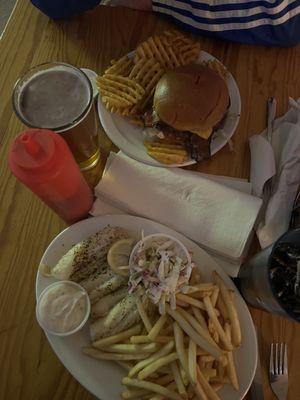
<point x="145" y="5"/>
<point x="268" y="23"/>
<point x="58" y="9"/>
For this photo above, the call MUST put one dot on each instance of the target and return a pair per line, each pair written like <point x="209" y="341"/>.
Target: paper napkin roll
<point x="217" y="217"/>
<point x="279" y="160"/>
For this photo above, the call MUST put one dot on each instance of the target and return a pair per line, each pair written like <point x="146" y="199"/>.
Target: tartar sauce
<point x="62" y="307"/>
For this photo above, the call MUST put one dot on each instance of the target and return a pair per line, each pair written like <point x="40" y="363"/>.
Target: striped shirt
<point x="267" y="22"/>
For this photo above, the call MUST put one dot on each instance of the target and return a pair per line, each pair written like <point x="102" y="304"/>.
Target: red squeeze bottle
<point x="42" y="160"/>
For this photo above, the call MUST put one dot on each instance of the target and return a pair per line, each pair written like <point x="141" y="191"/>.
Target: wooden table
<point x="29" y="368"/>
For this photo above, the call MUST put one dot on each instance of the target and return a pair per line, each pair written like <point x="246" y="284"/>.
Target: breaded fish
<point x="97" y="278"/>
<point x="109" y="286"/>
<point x="123" y="315"/>
<point x="104" y="305"/>
<point x="88" y="256"/>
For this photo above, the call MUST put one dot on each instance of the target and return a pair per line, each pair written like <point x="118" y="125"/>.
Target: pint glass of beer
<point x="59" y="97"/>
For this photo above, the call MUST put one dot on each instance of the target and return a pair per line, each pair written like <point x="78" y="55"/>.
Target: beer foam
<point x="55" y="98"/>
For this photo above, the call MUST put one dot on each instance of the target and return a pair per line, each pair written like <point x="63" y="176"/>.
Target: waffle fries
<point x="167" y="152"/>
<point x="171" y="49"/>
<point x="128" y="85"/>
<point x="147" y="72"/>
<point x="121" y="67"/>
<point x="119" y="91"/>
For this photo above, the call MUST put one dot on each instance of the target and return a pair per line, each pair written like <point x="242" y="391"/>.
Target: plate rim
<point x="107" y="122"/>
<point x="51" y="338"/>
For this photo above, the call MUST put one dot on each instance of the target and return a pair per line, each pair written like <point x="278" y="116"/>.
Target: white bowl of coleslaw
<point x="161" y="265"/>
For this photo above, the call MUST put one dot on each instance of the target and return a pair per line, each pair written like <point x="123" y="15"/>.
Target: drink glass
<point x="59" y="97"/>
<point x="271" y="279"/>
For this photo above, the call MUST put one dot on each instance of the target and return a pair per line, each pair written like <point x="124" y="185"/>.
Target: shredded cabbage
<point x="162" y="269"/>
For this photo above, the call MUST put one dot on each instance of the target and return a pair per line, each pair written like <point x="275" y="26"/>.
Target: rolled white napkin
<point x="280" y="161"/>
<point x="219" y="218"/>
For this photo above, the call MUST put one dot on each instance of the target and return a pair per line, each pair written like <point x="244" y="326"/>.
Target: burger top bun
<point x="191" y="98"/>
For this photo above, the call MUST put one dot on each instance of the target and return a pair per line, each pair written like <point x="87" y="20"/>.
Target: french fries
<point x="213" y="317"/>
<point x="134" y="393"/>
<point x="189" y="330"/>
<point x="204" y="286"/>
<point x="146" y="339"/>
<point x="199" y="317"/>
<point x="210" y="393"/>
<point x="161" y="353"/>
<point x="164" y="380"/>
<point x="197" y="326"/>
<point x="231" y="310"/>
<point x="154" y="331"/>
<point x="221" y="306"/>
<point x="178" y="380"/>
<point x="119" y="337"/>
<point x="185" y="354"/>
<point x="214" y="296"/>
<point x="200" y="394"/>
<point x="144" y="373"/>
<point x="230" y="366"/>
<point x="191" y="301"/>
<point x="152" y="387"/>
<point x="132" y="348"/>
<point x="143" y="314"/>
<point x="182" y="355"/>
<point x="192" y="360"/>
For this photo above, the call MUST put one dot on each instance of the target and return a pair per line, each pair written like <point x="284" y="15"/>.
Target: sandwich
<point x="189" y="104"/>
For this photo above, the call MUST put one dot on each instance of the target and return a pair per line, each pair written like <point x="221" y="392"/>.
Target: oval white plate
<point x="103" y="378"/>
<point x="129" y="138"/>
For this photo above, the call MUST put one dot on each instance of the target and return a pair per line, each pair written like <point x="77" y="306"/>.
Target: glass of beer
<point x="59" y="97"/>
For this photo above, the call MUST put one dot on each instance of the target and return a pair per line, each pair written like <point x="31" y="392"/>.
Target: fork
<point x="278" y="371"/>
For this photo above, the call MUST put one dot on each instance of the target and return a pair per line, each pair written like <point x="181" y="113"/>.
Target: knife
<point x="271" y="114"/>
<point x="256" y="388"/>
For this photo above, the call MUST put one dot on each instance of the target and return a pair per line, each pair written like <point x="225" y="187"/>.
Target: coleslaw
<point x="161" y="266"/>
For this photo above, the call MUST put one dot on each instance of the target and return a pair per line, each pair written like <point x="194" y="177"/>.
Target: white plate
<point x="129" y="138"/>
<point x="103" y="378"/>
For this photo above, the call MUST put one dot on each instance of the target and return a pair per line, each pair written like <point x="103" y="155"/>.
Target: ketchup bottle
<point x="42" y="160"/>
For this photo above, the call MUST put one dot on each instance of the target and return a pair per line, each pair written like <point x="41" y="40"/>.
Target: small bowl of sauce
<point x="63" y="308"/>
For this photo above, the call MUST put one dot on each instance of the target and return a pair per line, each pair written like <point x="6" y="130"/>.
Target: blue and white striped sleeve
<point x="266" y="22"/>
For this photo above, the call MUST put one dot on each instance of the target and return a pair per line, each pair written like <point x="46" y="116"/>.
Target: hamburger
<point x="189" y="104"/>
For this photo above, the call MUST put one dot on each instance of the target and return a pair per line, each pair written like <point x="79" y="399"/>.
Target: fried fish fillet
<point x="97" y="278"/>
<point x="122" y="316"/>
<point x="88" y="256"/>
<point x="106" y="303"/>
<point x="107" y="287"/>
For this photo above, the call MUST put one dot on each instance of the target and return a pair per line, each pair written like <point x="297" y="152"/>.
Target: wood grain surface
<point x="29" y="367"/>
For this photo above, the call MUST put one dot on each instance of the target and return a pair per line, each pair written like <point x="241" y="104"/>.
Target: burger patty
<point x="197" y="147"/>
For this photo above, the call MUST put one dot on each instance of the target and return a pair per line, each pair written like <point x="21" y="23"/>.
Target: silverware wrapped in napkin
<point x="217" y="217"/>
<point x="277" y="163"/>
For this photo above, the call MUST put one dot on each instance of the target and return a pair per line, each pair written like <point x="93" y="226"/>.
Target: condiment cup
<point x="86" y="315"/>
